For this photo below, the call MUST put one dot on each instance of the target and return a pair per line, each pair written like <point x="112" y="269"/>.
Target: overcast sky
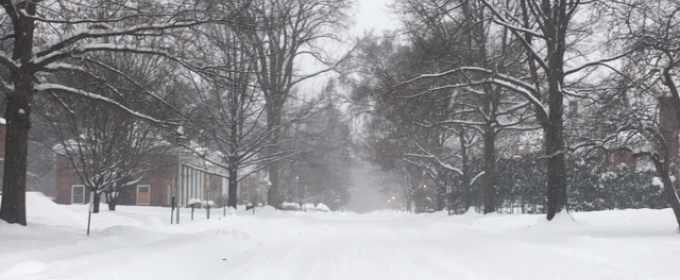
<point x="367" y="15"/>
<point x="373" y="14"/>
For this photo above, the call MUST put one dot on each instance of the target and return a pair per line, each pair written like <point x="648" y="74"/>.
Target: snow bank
<point x="562" y="219"/>
<point x="41" y="209"/>
<point x="138" y="243"/>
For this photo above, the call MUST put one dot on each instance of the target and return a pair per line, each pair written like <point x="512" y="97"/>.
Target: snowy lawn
<point x="139" y="243"/>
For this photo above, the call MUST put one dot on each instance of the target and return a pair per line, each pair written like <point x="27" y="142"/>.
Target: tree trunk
<point x="111" y="201"/>
<point x="488" y="190"/>
<point x="465" y="178"/>
<point x="672" y="198"/>
<point x="441" y="193"/>
<point x="274" y="119"/>
<point x="96" y="202"/>
<point x="556" y="28"/>
<point x="17" y="116"/>
<point x="554" y="150"/>
<point x="408" y="202"/>
<point x="232" y="200"/>
<point x="668" y="187"/>
<point x="274" y="196"/>
<point x="112" y="205"/>
<point x="557" y="177"/>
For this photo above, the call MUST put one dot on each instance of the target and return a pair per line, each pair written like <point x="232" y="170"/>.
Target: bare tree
<point x="318" y="173"/>
<point x="230" y="110"/>
<point x="46" y="34"/>
<point x="549" y="35"/>
<point x="460" y="31"/>
<point x="648" y="32"/>
<point x="408" y="134"/>
<point x="107" y="147"/>
<point x="283" y="33"/>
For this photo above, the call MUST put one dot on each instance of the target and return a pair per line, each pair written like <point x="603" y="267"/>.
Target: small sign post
<point x="89" y="212"/>
<point x="172" y="209"/>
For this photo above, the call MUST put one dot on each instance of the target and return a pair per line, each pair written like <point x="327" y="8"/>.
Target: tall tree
<point x="648" y="31"/>
<point x="543" y="29"/>
<point x="459" y="33"/>
<point x="230" y="112"/>
<point x="285" y="32"/>
<point x="106" y="146"/>
<point x="319" y="172"/>
<point x="45" y="34"/>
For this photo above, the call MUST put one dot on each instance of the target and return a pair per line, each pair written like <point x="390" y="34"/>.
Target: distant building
<point x="156" y="187"/>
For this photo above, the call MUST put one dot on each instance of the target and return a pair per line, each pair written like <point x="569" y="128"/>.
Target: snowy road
<point x="134" y="243"/>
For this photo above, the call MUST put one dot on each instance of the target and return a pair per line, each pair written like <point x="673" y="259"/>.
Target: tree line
<point x="547" y="104"/>
<point x="544" y="104"/>
<point x="116" y="87"/>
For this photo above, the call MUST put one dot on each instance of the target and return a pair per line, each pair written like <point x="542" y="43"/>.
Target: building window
<point x="143" y="188"/>
<point x="143" y="195"/>
<point x="78" y="194"/>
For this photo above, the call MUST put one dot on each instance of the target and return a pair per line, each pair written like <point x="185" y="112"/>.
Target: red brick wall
<point x="158" y="180"/>
<point x="66" y="178"/>
<point x="161" y="182"/>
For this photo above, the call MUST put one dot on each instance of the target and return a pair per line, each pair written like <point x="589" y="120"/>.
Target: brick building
<point x="156" y="187"/>
<point x="199" y="181"/>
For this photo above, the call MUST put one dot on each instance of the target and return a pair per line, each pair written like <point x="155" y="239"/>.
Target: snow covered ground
<point x="139" y="243"/>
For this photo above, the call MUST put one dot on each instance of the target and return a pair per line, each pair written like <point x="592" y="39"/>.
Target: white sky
<point x="367" y="15"/>
<point x="373" y="14"/>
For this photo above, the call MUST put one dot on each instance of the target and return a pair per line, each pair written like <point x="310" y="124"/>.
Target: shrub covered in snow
<point x="194" y="202"/>
<point x="322" y="207"/>
<point x="592" y="185"/>
<point x="290" y="206"/>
